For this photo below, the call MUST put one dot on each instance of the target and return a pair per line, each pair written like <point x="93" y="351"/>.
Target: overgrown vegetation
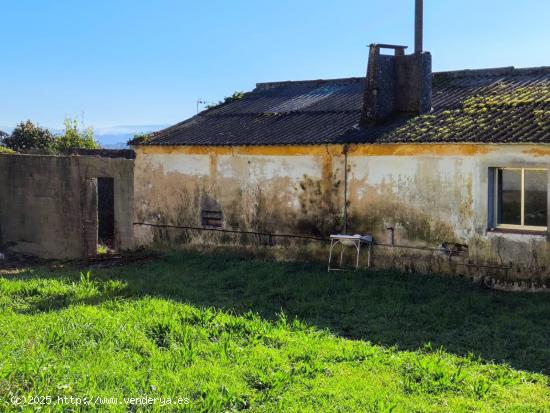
<point x="139" y="139"/>
<point x="485" y="112"/>
<point x="231" y="333"/>
<point x="75" y="137"/>
<point x="237" y="95"/>
<point x="28" y="136"/>
<point x="3" y="149"/>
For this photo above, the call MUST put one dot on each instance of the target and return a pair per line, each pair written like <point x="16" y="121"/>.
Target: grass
<point x="4" y="150"/>
<point x="230" y="333"/>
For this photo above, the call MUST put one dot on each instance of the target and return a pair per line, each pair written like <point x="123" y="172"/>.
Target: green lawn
<point x="232" y="333"/>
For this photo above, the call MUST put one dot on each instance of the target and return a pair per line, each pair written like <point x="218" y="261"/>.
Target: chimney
<point x="418" y="25"/>
<point x="398" y="83"/>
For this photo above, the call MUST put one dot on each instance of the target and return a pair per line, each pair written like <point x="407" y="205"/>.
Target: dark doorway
<point x="106" y="212"/>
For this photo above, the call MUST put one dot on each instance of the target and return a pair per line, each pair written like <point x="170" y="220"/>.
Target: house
<point x="448" y="171"/>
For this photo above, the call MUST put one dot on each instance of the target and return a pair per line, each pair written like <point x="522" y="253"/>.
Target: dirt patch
<point x="15" y="263"/>
<point x="11" y="263"/>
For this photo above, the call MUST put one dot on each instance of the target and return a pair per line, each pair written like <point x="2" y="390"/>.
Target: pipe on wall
<point x="346" y="149"/>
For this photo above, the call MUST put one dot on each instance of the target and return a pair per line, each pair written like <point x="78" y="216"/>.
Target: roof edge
<point x="270" y="85"/>
<point x="497" y="71"/>
<point x="446" y="74"/>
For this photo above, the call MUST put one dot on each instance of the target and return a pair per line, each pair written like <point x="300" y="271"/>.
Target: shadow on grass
<point x="388" y="308"/>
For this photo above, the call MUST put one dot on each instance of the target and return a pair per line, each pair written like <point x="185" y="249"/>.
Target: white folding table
<point x="349" y="241"/>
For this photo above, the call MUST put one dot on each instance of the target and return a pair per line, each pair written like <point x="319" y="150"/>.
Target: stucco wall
<point x="44" y="205"/>
<point x="430" y="194"/>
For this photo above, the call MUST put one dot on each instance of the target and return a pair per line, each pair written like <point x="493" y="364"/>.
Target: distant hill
<point x="116" y="137"/>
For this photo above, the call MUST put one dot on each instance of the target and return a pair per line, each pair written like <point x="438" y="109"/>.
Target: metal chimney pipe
<point x="418" y="26"/>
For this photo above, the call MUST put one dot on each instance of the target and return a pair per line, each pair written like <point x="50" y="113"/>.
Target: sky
<point x="114" y="63"/>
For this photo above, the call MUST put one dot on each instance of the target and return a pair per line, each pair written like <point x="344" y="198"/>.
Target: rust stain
<point x="420" y="149"/>
<point x="537" y="151"/>
<point x="213" y="166"/>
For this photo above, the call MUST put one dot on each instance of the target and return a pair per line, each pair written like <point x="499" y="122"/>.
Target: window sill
<point x="518" y="231"/>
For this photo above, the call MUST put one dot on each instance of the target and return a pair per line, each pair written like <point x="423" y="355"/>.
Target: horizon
<point x="135" y="64"/>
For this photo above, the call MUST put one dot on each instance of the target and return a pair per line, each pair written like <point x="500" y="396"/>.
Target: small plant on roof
<point x="237" y="95"/>
<point x="139" y="139"/>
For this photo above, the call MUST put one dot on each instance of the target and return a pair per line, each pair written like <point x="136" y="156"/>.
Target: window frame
<point x="495" y="206"/>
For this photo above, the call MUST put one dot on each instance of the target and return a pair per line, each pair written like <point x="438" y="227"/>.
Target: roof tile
<point x="492" y="105"/>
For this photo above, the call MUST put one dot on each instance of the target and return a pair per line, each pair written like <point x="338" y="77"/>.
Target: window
<point x="520" y="197"/>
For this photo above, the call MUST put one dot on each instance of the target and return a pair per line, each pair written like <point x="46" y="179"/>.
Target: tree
<point x="73" y="137"/>
<point x="3" y="136"/>
<point x="27" y="135"/>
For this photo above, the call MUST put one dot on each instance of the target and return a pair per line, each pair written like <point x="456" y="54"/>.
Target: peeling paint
<point x="429" y="193"/>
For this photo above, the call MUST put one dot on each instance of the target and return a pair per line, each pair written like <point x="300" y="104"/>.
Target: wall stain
<point x="432" y="204"/>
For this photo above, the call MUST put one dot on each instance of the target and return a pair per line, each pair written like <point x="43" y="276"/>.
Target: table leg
<point x="330" y="253"/>
<point x="358" y="254"/>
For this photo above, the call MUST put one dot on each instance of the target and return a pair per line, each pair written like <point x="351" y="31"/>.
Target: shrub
<point x="73" y="137"/>
<point x="139" y="139"/>
<point x="3" y="149"/>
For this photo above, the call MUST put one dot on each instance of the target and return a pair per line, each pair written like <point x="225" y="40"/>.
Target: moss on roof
<point x="514" y="108"/>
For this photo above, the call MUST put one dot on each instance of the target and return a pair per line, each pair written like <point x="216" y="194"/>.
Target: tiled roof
<point x="494" y="105"/>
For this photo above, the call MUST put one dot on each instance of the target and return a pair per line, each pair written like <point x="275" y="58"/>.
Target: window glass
<point x="535" y="187"/>
<point x="509" y="196"/>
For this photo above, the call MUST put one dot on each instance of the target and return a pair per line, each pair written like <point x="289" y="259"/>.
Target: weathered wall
<point x="44" y="204"/>
<point x="430" y="194"/>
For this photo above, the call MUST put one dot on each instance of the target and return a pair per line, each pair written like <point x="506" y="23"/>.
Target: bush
<point x="3" y="149"/>
<point x="139" y="139"/>
<point x="73" y="137"/>
<point x="27" y="135"/>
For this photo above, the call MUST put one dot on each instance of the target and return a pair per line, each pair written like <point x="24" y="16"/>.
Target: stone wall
<point x="48" y="205"/>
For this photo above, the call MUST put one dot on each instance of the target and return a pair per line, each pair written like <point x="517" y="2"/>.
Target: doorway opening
<point x="105" y="215"/>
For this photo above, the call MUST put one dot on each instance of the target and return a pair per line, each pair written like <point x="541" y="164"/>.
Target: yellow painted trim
<point x="282" y="150"/>
<point x="406" y="149"/>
